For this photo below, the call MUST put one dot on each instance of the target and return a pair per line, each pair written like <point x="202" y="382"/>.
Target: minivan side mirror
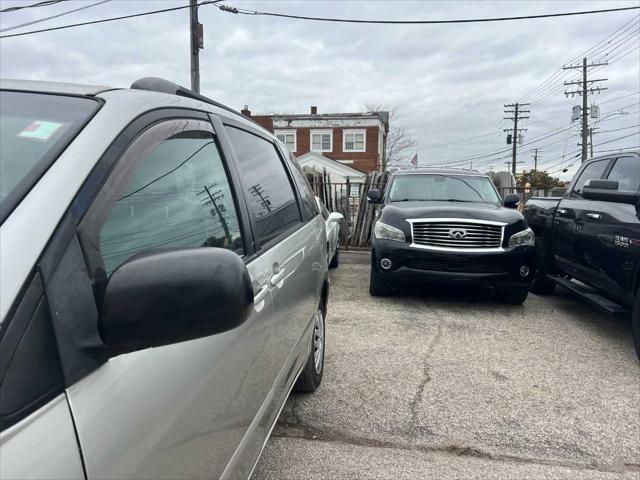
<point x="607" y="191"/>
<point x="166" y="297"/>
<point x="511" y="200"/>
<point x="374" y="195"/>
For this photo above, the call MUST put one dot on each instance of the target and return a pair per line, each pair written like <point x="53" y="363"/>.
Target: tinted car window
<point x="443" y="188"/>
<point x="323" y="210"/>
<point x="166" y="193"/>
<point x="591" y="172"/>
<point x="34" y="128"/>
<point x="268" y="189"/>
<point x="626" y="171"/>
<point x="306" y="194"/>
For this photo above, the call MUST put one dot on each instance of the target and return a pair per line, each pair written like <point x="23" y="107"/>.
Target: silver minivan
<point x="163" y="283"/>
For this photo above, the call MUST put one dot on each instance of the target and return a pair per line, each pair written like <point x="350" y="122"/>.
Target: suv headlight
<point x="382" y="230"/>
<point x="525" y="237"/>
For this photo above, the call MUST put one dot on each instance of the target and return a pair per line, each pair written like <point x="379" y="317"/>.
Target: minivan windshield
<point x="34" y="129"/>
<point x="443" y="188"/>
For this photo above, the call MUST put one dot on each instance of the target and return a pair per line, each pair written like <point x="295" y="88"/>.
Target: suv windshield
<point x="445" y="188"/>
<point x="34" y="129"/>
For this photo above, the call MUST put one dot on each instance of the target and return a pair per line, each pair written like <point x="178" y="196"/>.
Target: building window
<point x="322" y="141"/>
<point x="288" y="137"/>
<point x="354" y="140"/>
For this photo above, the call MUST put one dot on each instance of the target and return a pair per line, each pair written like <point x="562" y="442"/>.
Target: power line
<point x="46" y="3"/>
<point x="616" y="139"/>
<point x="598" y="47"/>
<point x="493" y="156"/>
<point x="111" y="19"/>
<point x="616" y="129"/>
<point x="6" y="29"/>
<point x="242" y="11"/>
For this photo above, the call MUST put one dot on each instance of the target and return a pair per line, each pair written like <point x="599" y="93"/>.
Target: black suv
<point x="450" y="226"/>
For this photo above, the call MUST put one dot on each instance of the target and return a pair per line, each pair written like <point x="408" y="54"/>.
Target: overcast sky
<point x="449" y="82"/>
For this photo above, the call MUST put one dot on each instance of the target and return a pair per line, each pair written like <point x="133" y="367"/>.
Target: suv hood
<point x="395" y="213"/>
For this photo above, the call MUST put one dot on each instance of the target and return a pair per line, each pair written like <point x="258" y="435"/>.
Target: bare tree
<point x="400" y="140"/>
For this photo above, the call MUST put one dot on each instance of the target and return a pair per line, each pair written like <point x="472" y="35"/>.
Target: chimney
<point x="245" y="111"/>
<point x="314" y="110"/>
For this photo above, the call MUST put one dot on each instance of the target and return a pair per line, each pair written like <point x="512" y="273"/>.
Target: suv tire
<point x="513" y="297"/>
<point x="378" y="286"/>
<point x="635" y="323"/>
<point x="311" y="374"/>
<point x="335" y="261"/>
<point x="541" y="284"/>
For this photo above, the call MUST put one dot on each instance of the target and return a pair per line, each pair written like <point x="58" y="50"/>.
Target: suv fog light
<point x="524" y="271"/>
<point x="385" y="263"/>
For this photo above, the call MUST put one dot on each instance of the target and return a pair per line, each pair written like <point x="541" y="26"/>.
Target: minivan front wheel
<point x="311" y="375"/>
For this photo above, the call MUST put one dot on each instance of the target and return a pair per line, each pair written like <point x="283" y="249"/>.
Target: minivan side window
<point x="626" y="171"/>
<point x="169" y="190"/>
<point x="591" y="172"/>
<point x="267" y="186"/>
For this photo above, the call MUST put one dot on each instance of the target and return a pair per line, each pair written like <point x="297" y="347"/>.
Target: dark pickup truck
<point x="588" y="241"/>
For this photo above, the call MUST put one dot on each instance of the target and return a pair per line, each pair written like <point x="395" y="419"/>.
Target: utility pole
<point x="197" y="43"/>
<point x="584" y="91"/>
<point x="517" y="115"/>
<point x="535" y="168"/>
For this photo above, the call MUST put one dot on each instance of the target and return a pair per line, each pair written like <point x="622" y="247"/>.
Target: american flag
<point x="414" y="161"/>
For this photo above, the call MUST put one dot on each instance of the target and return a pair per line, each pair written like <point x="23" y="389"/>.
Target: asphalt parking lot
<point x="450" y="384"/>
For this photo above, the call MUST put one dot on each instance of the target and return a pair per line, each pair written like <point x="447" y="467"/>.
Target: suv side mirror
<point x="374" y="195"/>
<point x="335" y="217"/>
<point x="607" y="191"/>
<point x="171" y="296"/>
<point x="511" y="200"/>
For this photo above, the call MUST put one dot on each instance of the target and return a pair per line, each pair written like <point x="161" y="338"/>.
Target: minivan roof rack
<point x="155" y="84"/>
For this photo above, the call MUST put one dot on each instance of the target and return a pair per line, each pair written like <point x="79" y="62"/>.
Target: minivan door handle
<point x="595" y="216"/>
<point x="276" y="278"/>
<point x="561" y="211"/>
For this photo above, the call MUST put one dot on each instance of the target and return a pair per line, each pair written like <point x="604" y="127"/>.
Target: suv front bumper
<point x="499" y="269"/>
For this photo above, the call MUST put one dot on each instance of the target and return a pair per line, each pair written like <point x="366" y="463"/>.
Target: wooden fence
<point x="350" y="199"/>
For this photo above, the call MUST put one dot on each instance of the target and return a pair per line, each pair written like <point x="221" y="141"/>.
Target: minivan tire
<point x="541" y="284"/>
<point x="310" y="378"/>
<point x="513" y="297"/>
<point x="635" y="323"/>
<point x="335" y="261"/>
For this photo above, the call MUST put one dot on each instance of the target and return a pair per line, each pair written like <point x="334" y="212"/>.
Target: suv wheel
<point x="513" y="297"/>
<point x="635" y="323"/>
<point x="541" y="284"/>
<point x="378" y="286"/>
<point x="311" y="375"/>
<point x="335" y="261"/>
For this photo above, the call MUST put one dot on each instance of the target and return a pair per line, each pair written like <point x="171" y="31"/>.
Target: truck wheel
<point x="541" y="284"/>
<point x="335" y="261"/>
<point x="311" y="375"/>
<point x="513" y="297"/>
<point x="378" y="286"/>
<point x="635" y="323"/>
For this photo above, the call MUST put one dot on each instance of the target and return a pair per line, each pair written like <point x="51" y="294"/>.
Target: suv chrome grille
<point x="453" y="234"/>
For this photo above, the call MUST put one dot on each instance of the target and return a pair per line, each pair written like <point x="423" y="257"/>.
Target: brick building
<point x="354" y="139"/>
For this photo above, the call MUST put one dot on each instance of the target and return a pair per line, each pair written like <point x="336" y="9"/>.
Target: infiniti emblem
<point x="457" y="233"/>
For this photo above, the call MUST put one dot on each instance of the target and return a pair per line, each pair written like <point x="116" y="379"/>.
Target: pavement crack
<point x="287" y="430"/>
<point x="414" y="404"/>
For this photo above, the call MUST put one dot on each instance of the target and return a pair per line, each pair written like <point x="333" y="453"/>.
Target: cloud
<point x="449" y="82"/>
